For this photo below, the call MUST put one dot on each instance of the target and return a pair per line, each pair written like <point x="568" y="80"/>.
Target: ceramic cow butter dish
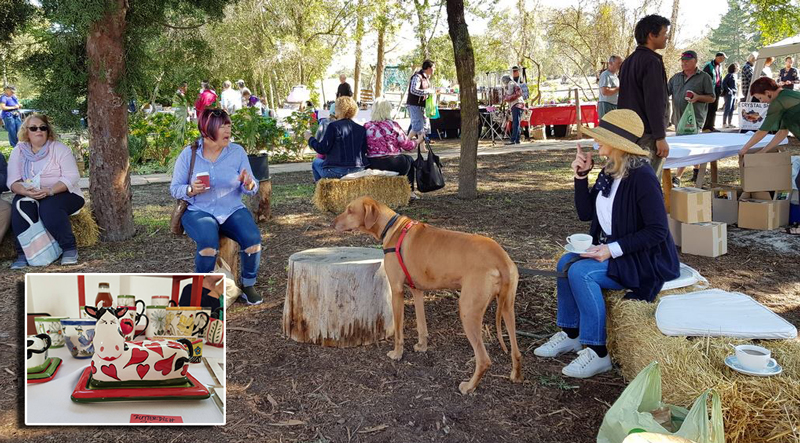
<point x="116" y="360"/>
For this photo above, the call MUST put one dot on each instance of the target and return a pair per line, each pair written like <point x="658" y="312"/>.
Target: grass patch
<point x="152" y="217"/>
<point x="555" y="381"/>
<point x="284" y="194"/>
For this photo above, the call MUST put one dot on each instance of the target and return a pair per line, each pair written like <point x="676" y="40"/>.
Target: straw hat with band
<point x="620" y="129"/>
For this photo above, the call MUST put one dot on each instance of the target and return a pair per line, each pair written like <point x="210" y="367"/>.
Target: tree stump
<point x="338" y="297"/>
<point x="259" y="204"/>
<point x="229" y="251"/>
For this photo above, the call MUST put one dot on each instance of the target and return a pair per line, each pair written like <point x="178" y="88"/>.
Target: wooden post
<point x="666" y="183"/>
<point x="714" y="174"/>
<point x="229" y="251"/>
<point x="578" y="118"/>
<point x="338" y="297"/>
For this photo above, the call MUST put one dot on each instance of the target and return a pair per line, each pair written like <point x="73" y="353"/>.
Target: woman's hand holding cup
<point x="198" y="188"/>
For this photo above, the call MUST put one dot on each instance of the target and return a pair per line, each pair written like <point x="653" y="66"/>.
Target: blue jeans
<point x="418" y="119"/>
<point x="330" y="171"/>
<point x="580" y="298"/>
<point x="604" y="108"/>
<point x="728" y="109"/>
<point x="204" y="229"/>
<point x="515" y="114"/>
<point x="12" y="123"/>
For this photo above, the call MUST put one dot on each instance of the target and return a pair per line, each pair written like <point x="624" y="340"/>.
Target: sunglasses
<point x="218" y="112"/>
<point x="37" y="128"/>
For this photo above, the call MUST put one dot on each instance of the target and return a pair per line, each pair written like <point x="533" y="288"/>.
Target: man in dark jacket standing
<point x="344" y="87"/>
<point x="714" y="70"/>
<point x="643" y="87"/>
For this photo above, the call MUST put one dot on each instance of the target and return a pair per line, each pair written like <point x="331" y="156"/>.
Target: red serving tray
<point x="45" y="380"/>
<point x="83" y="394"/>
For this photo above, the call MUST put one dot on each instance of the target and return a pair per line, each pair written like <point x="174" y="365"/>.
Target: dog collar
<point x="389" y="225"/>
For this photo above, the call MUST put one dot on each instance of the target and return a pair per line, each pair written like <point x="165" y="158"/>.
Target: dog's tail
<point x="505" y="304"/>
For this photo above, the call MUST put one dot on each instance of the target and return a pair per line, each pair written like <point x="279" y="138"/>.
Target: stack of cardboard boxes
<point x="699" y="219"/>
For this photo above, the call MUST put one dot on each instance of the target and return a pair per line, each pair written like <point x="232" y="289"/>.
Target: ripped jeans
<point x="204" y="229"/>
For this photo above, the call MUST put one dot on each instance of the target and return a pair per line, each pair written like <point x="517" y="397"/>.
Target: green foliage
<point x="154" y="138"/>
<point x="298" y="122"/>
<point x="735" y="35"/>
<point x="13" y="14"/>
<point x="776" y="19"/>
<point x="254" y="132"/>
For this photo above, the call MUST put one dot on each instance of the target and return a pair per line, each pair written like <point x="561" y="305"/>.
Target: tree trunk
<point x="673" y="29"/>
<point x="110" y="181"/>
<point x="229" y="252"/>
<point x="359" y="37"/>
<point x="338" y="297"/>
<point x="380" y="63"/>
<point x="465" y="70"/>
<point x="259" y="204"/>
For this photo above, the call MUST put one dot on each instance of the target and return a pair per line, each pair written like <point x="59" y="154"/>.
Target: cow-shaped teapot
<point x="115" y="359"/>
<point x="37" y="346"/>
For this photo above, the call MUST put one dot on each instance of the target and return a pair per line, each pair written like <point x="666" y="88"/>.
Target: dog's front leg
<point x="397" y="311"/>
<point x="422" y="325"/>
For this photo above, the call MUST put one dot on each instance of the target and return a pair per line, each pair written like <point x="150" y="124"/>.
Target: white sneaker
<point x="588" y="364"/>
<point x="560" y="343"/>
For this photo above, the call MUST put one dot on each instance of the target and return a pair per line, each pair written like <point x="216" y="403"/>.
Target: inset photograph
<point x="125" y="349"/>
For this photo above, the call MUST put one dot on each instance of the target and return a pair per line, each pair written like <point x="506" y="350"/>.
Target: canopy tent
<point x="784" y="47"/>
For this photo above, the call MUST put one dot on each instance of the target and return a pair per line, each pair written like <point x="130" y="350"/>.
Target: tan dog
<point x="441" y="259"/>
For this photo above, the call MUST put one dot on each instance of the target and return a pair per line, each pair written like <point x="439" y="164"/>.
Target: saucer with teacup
<point x="753" y="360"/>
<point x="578" y="243"/>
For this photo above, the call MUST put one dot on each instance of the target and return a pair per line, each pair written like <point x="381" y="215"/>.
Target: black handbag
<point x="428" y="170"/>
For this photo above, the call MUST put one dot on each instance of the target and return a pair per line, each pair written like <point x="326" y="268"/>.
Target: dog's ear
<point x="370" y="214"/>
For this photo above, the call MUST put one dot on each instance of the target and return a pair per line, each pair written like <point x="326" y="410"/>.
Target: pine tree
<point x="735" y="34"/>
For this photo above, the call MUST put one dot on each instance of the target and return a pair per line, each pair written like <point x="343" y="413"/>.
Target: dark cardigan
<point x="639" y="222"/>
<point x="344" y="145"/>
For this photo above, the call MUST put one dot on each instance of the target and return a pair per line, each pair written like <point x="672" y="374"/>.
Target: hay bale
<point x="755" y="409"/>
<point x="85" y="228"/>
<point x="333" y="195"/>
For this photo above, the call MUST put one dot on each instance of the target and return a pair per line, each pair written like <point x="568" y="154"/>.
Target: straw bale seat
<point x="333" y="195"/>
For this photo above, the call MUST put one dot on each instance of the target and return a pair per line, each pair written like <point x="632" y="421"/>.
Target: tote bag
<point x="688" y="123"/>
<point x="428" y="171"/>
<point x="39" y="246"/>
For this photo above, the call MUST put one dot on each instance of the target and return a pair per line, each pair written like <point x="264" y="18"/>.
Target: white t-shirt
<point x="609" y="80"/>
<point x="231" y="100"/>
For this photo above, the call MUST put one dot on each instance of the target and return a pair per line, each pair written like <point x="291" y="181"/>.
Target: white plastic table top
<point x="50" y="402"/>
<point x="689" y="150"/>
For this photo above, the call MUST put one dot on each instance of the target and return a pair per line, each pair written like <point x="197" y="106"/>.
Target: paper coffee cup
<point x="205" y="178"/>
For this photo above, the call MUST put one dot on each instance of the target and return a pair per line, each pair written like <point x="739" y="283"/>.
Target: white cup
<point x="754" y="358"/>
<point x="580" y="242"/>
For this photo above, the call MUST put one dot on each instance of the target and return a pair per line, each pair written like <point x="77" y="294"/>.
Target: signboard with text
<point x="752" y="115"/>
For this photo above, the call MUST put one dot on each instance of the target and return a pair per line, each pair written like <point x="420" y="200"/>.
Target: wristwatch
<point x="188" y="190"/>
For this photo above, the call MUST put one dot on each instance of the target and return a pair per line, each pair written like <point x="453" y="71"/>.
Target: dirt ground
<point x="283" y="391"/>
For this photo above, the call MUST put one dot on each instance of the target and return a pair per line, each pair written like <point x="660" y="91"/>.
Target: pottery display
<point x="52" y="327"/>
<point x="79" y="335"/>
<point x="37" y="346"/>
<point x="129" y="328"/>
<point x="186" y="321"/>
<point x="116" y="360"/>
<point x="157" y="324"/>
<point x="215" y="332"/>
<point x="162" y="300"/>
<point x="126" y="300"/>
<point x="51" y="368"/>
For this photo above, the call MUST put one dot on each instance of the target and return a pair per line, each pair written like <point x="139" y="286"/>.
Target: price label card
<point x="162" y="419"/>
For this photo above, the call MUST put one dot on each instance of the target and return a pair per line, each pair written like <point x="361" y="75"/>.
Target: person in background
<point x="419" y="88"/>
<point x="747" y="74"/>
<point x="690" y="86"/>
<point x="344" y="145"/>
<point x="783" y="114"/>
<point x="250" y="100"/>
<point x="788" y="75"/>
<point x="643" y="87"/>
<point x="767" y="70"/>
<point x="386" y="142"/>
<point x="181" y="103"/>
<point x="5" y="207"/>
<point x="515" y="75"/>
<point x="344" y="90"/>
<point x="230" y="99"/>
<point x="633" y="248"/>
<point x="730" y="92"/>
<point x="609" y="87"/>
<point x="9" y="104"/>
<point x="218" y="209"/>
<point x="205" y="99"/>
<point x="212" y="292"/>
<point x="714" y="70"/>
<point x="42" y="168"/>
<point x="512" y="95"/>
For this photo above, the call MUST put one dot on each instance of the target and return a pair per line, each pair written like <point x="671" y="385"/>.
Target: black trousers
<point x="54" y="211"/>
<point x="711" y="115"/>
<point x="401" y="164"/>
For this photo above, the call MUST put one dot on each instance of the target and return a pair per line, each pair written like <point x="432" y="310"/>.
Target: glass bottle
<point x="103" y="296"/>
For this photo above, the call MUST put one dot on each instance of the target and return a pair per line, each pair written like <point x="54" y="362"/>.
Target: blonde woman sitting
<point x="386" y="142"/>
<point x="344" y="145"/>
<point x="632" y="250"/>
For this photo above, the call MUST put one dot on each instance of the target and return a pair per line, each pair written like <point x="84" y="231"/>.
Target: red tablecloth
<point x="563" y="114"/>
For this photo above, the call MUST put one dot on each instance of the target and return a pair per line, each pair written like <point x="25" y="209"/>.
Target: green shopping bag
<point x="631" y="413"/>
<point x="432" y="107"/>
<point x="688" y="123"/>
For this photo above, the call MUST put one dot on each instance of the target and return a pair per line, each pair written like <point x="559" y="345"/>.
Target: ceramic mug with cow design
<point x="37" y="346"/>
<point x="186" y="321"/>
<point x="116" y="360"/>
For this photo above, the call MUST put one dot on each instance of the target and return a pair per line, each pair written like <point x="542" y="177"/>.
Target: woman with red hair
<point x="783" y="114"/>
<point x="220" y="175"/>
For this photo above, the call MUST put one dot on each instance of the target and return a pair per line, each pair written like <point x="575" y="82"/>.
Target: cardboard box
<point x="766" y="172"/>
<point x="707" y="239"/>
<point x="675" y="230"/>
<point x="690" y="205"/>
<point x="725" y="204"/>
<point x="760" y="210"/>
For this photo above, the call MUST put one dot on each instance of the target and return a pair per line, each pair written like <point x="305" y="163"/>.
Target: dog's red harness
<point x="398" y="253"/>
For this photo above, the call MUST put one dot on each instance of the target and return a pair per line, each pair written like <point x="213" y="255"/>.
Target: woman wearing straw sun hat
<point x="632" y="250"/>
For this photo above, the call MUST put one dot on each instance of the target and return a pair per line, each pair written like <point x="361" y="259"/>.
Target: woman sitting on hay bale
<point x="44" y="169"/>
<point x="386" y="141"/>
<point x="634" y="248"/>
<point x="218" y="208"/>
<point x="344" y="145"/>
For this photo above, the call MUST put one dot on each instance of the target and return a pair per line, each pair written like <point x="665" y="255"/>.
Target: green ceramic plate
<point x="40" y="368"/>
<point x="181" y="382"/>
<point x="54" y="362"/>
